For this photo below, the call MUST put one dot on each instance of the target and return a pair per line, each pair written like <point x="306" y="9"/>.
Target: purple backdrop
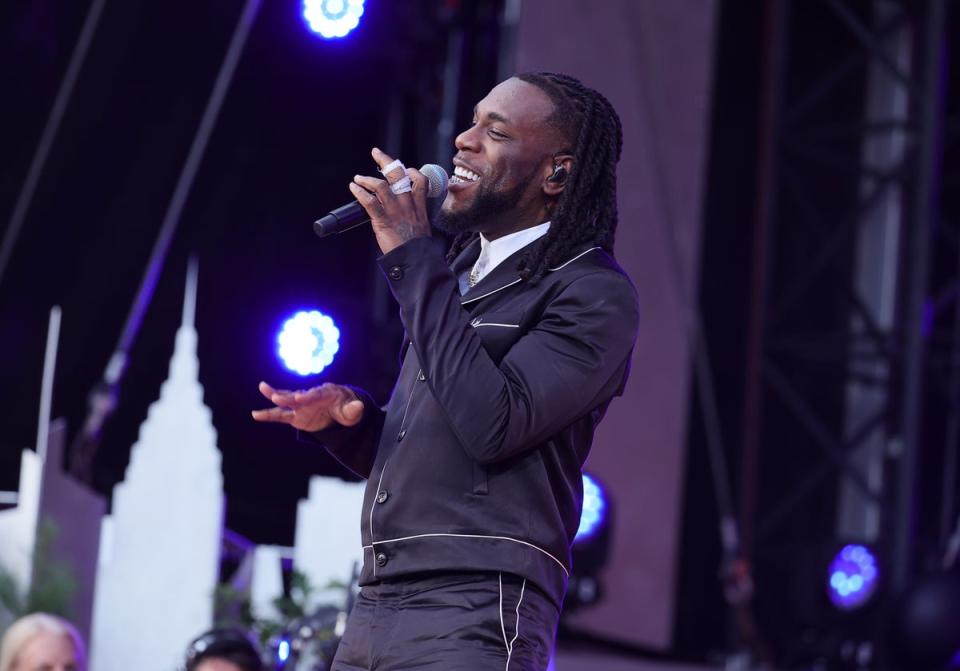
<point x="652" y="59"/>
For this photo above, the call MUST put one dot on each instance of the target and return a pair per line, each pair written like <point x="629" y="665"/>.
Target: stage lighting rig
<point x="594" y="513"/>
<point x="308" y="342"/>
<point x="310" y="642"/>
<point x="591" y="545"/>
<point x="852" y="577"/>
<point x="332" y="18"/>
<point x="844" y="636"/>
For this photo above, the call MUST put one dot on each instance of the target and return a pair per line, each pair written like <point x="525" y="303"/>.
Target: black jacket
<point x="474" y="464"/>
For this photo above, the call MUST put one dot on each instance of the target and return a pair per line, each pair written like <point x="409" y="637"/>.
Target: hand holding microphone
<point x="396" y="206"/>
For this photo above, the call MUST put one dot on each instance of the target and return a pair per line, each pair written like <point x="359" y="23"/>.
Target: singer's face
<point x="501" y="163"/>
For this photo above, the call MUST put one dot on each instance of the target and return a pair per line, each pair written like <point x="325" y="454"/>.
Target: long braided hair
<point x="586" y="211"/>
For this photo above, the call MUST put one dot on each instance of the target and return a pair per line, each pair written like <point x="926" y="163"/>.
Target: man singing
<point x="517" y="341"/>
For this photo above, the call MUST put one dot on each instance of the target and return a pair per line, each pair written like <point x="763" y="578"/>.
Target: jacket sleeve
<point x="573" y="360"/>
<point x="354" y="446"/>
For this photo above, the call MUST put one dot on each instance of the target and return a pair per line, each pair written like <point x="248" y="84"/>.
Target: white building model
<point x="152" y="579"/>
<point x="160" y="547"/>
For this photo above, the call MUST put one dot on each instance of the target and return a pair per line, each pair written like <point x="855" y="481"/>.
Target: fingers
<point x="383" y="160"/>
<point x="282" y="415"/>
<point x="338" y="401"/>
<point x="312" y="409"/>
<point x="347" y="413"/>
<point x="272" y="394"/>
<point x="325" y="392"/>
<point x="292" y="399"/>
<point x="277" y="396"/>
<point x="393" y="173"/>
<point x="396" y="217"/>
<point x="380" y="202"/>
<point x="381" y="187"/>
<point x="378" y="186"/>
<point x="419" y="191"/>
<point x="368" y="201"/>
<point x="352" y="412"/>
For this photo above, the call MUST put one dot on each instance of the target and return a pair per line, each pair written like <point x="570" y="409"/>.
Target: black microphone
<point x="352" y="214"/>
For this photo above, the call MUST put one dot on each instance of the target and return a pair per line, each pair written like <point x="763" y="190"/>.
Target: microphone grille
<point x="437" y="180"/>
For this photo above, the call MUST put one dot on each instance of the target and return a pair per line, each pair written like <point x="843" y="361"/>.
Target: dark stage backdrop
<point x="653" y="60"/>
<point x="298" y="121"/>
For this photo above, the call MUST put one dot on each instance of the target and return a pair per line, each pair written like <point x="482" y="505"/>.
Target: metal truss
<point x="854" y="334"/>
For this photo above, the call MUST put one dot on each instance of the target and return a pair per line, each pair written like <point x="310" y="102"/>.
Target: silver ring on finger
<point x="394" y="165"/>
<point x="402" y="185"/>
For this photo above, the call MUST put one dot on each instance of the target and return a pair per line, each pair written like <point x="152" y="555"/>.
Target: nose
<point x="467" y="140"/>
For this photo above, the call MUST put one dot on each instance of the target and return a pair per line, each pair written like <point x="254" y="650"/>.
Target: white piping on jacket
<point x="503" y="629"/>
<point x="562" y="265"/>
<point x="516" y="631"/>
<point x="573" y="259"/>
<point x="470" y="300"/>
<point x="373" y="506"/>
<point x="499" y="538"/>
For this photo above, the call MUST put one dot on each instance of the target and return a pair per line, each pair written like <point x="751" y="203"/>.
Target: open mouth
<point x="463" y="176"/>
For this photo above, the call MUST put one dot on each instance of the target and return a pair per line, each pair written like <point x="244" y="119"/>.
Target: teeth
<point x="465" y="174"/>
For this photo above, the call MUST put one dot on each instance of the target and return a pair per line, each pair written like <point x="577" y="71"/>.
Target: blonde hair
<point x="27" y="627"/>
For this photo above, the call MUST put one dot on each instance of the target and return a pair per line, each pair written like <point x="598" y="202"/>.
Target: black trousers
<point x="450" y="621"/>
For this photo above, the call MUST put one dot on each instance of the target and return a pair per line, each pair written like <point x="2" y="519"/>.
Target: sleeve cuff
<point x="398" y="262"/>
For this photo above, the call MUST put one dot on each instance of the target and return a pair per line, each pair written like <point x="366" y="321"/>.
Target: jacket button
<point x="400" y="435"/>
<point x="421" y="376"/>
<point x="382" y="496"/>
<point x="381" y="559"/>
<point x="395" y="273"/>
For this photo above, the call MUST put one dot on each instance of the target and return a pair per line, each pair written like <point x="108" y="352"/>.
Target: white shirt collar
<point x="495" y="252"/>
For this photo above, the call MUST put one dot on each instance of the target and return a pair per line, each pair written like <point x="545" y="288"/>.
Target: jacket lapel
<point x="505" y="274"/>
<point x="501" y="277"/>
<point x="466" y="258"/>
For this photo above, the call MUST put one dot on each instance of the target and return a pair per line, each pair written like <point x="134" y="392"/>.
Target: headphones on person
<point x="559" y="175"/>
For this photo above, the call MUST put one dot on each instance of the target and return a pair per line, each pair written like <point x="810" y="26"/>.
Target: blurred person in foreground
<point x="42" y="642"/>
<point x="223" y="650"/>
<point x="517" y="340"/>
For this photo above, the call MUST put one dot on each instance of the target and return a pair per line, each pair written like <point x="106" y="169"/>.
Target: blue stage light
<point x="594" y="509"/>
<point x="308" y="342"/>
<point x="332" y="18"/>
<point x="283" y="650"/>
<point x="853" y="577"/>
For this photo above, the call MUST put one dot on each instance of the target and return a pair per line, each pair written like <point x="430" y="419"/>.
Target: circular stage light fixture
<point x="594" y="510"/>
<point x="852" y="577"/>
<point x="332" y="18"/>
<point x="591" y="546"/>
<point x="308" y="342"/>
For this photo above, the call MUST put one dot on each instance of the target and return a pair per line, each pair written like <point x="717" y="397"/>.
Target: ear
<point x="556" y="178"/>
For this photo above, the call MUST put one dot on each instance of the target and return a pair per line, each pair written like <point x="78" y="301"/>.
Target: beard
<point x="487" y="207"/>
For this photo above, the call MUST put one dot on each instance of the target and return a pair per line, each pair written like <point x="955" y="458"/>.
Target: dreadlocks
<point x="586" y="211"/>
